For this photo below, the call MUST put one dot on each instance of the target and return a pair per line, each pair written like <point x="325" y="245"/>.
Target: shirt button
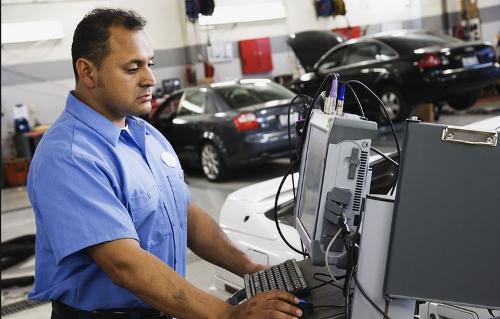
<point x="139" y="122"/>
<point x="149" y="195"/>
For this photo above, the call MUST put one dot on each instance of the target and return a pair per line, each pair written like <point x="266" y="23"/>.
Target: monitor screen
<point x="311" y="186"/>
<point x="332" y="164"/>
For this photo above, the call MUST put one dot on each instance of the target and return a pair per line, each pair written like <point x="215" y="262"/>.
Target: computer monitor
<point x="333" y="179"/>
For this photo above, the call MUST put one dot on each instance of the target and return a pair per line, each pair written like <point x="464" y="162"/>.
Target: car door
<point x="188" y="125"/>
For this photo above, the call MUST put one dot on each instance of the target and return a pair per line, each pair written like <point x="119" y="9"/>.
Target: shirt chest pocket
<point x="149" y="219"/>
<point x="180" y="192"/>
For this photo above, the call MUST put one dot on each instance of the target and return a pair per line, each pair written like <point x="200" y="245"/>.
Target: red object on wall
<point x="209" y="69"/>
<point x="349" y="33"/>
<point x="256" y="56"/>
<point x="191" y="74"/>
<point x="16" y="172"/>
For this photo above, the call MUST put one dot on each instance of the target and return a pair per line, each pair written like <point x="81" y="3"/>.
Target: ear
<point x="87" y="72"/>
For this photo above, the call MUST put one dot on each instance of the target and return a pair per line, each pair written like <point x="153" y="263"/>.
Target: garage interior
<point x="233" y="42"/>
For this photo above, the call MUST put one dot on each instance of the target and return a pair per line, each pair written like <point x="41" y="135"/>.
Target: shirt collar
<point x="104" y="127"/>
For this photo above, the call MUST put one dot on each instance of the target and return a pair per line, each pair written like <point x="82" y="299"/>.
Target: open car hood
<point x="309" y="46"/>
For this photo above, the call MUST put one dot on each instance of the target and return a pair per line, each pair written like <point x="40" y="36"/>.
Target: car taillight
<point x="246" y="122"/>
<point x="429" y="60"/>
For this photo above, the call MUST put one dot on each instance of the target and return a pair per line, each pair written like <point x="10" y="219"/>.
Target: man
<point x="113" y="213"/>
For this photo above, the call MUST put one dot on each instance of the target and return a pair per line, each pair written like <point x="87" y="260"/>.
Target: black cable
<point x="318" y="90"/>
<point x="325" y="282"/>
<point x="357" y="100"/>
<point x="384" y="156"/>
<point x="350" y="268"/>
<point x="16" y="250"/>
<point x="331" y="282"/>
<point x="363" y="292"/>
<point x="309" y="111"/>
<point x="382" y="105"/>
<point x="17" y="282"/>
<point x="386" y="310"/>
<point x="302" y="247"/>
<point x="316" y="274"/>
<point x="385" y="112"/>
<point x="328" y="306"/>
<point x="347" y="302"/>
<point x="290" y="149"/>
<point x="276" y="210"/>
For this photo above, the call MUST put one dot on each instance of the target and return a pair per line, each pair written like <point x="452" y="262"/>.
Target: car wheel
<point x="396" y="106"/>
<point x="212" y="163"/>
<point x="464" y="101"/>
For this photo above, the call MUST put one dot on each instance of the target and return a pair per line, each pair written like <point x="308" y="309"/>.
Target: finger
<point x="281" y="295"/>
<point x="272" y="314"/>
<point x="282" y="307"/>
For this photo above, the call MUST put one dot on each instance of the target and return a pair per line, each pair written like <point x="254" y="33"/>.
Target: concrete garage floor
<point x="17" y="215"/>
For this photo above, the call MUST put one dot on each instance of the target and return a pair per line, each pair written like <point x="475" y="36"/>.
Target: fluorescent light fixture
<point x="228" y="14"/>
<point x="31" y="31"/>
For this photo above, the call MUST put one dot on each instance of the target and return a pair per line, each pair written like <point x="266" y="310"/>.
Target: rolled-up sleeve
<point x="77" y="204"/>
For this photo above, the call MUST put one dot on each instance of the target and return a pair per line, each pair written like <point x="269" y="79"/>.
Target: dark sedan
<point x="406" y="68"/>
<point x="226" y="125"/>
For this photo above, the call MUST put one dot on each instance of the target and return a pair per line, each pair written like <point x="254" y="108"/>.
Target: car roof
<point x="384" y="37"/>
<point x="381" y="36"/>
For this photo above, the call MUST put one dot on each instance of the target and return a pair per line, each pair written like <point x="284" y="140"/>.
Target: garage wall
<point x="39" y="74"/>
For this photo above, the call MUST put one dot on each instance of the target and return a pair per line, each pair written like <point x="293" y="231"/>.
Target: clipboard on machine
<point x="445" y="235"/>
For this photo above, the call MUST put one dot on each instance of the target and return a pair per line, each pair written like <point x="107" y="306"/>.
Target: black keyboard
<point x="285" y="276"/>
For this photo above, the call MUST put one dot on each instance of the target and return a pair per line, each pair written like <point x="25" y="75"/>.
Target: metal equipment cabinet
<point x="256" y="56"/>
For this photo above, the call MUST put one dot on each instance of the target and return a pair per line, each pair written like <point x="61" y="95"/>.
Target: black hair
<point x="90" y="39"/>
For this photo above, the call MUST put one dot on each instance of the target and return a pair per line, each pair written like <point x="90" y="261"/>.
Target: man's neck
<point x="88" y="99"/>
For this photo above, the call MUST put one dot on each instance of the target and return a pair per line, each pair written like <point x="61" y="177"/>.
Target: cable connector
<point x="340" y="103"/>
<point x="345" y="225"/>
<point x="331" y="100"/>
<point x="299" y="126"/>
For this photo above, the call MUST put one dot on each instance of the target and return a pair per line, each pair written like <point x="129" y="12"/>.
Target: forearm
<point x="162" y="288"/>
<point x="207" y="240"/>
<point x="158" y="285"/>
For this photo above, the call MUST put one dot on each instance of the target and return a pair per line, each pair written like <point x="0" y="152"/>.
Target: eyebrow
<point x="137" y="61"/>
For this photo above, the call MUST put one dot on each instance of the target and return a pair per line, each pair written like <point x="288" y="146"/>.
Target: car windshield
<point x="410" y="42"/>
<point x="246" y="94"/>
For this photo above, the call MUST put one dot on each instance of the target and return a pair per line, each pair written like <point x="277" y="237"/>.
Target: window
<point x="209" y="105"/>
<point x="413" y="41"/>
<point x="172" y="104"/>
<point x="334" y="60"/>
<point x="362" y="52"/>
<point x="251" y="93"/>
<point x="385" y="53"/>
<point x="285" y="213"/>
<point x="192" y="103"/>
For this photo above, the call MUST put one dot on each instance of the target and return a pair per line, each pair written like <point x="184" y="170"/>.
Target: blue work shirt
<point x="91" y="182"/>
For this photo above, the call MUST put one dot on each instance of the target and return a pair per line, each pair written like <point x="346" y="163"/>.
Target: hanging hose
<point x="16" y="250"/>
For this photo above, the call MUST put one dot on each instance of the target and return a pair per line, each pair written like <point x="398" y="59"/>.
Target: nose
<point x="148" y="79"/>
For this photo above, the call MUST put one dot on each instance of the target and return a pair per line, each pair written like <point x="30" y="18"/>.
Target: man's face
<point x="125" y="81"/>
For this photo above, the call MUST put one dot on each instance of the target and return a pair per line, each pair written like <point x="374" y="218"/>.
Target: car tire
<point x="212" y="163"/>
<point x="395" y="104"/>
<point x="464" y="101"/>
